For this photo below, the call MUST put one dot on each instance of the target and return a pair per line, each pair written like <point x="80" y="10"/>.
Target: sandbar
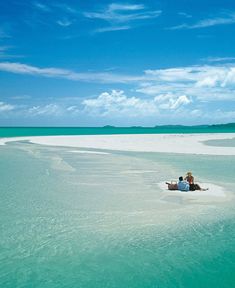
<point x="164" y="143"/>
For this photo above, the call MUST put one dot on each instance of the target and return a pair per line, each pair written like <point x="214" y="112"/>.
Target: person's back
<point x="183" y="185"/>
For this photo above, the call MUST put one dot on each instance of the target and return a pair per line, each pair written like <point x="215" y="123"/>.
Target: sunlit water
<point x="72" y="219"/>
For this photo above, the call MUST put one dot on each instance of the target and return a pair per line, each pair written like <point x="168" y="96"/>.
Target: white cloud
<point x="44" y="110"/>
<point x="41" y="6"/>
<point x="21" y="97"/>
<point x="4" y="107"/>
<point x="205" y="82"/>
<point x="173" y="74"/>
<point x="112" y="28"/>
<point x="125" y="7"/>
<point x="116" y="14"/>
<point x="186" y="15"/>
<point x="227" y="115"/>
<point x="214" y="116"/>
<point x="20" y="68"/>
<point x="49" y="109"/>
<point x="64" y="22"/>
<point x="224" y="19"/>
<point x="123" y="13"/>
<point x="117" y="104"/>
<point x="73" y="110"/>
<point x="196" y="113"/>
<point x="202" y="82"/>
<point x="182" y="100"/>
<point x="171" y="101"/>
<point x="219" y="59"/>
<point x="228" y="19"/>
<point x="4" y="53"/>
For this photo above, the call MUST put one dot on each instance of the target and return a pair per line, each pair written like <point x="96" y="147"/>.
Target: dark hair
<point x="181" y="178"/>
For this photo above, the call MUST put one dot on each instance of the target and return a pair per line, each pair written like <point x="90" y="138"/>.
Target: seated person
<point x="190" y="179"/>
<point x="182" y="184"/>
<point x="192" y="186"/>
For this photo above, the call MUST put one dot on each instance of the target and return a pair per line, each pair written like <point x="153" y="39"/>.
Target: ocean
<point x="98" y="218"/>
<point x="49" y="131"/>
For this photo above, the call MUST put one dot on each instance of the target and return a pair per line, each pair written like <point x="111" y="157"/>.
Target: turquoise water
<point x="45" y="131"/>
<point x="100" y="220"/>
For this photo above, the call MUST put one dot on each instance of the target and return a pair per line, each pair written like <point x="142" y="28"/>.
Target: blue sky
<point x="123" y="63"/>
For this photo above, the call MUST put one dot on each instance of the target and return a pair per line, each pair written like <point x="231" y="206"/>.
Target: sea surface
<point x="47" y="131"/>
<point x="97" y="218"/>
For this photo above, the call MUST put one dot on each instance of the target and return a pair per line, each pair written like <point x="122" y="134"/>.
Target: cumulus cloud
<point x="171" y="101"/>
<point x="116" y="103"/>
<point x="202" y="82"/>
<point x="207" y="82"/>
<point x="181" y="100"/>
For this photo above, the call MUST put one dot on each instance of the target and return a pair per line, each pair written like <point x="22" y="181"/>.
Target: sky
<point x="121" y="63"/>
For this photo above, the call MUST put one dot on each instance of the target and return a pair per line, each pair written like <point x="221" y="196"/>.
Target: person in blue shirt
<point x="182" y="184"/>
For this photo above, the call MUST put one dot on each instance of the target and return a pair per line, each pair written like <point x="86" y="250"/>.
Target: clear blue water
<point x="101" y="220"/>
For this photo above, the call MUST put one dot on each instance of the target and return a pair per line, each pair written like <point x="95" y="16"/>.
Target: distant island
<point x="175" y="126"/>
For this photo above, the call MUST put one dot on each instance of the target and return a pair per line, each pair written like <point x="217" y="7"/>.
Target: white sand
<point x="169" y="143"/>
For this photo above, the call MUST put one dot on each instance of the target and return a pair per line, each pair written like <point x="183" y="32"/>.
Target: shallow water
<point x="221" y="142"/>
<point x="100" y="220"/>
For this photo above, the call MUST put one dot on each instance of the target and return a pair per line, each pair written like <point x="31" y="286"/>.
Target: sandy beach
<point x="165" y="143"/>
